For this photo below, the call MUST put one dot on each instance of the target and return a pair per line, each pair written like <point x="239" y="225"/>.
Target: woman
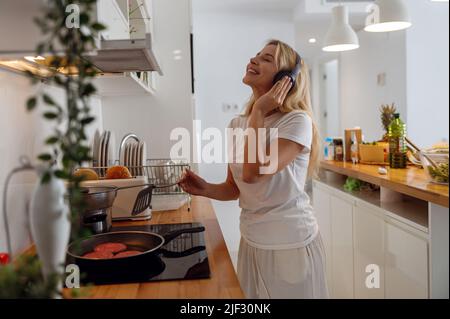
<point x="281" y="253"/>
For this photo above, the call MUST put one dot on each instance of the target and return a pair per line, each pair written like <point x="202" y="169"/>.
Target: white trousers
<point x="283" y="274"/>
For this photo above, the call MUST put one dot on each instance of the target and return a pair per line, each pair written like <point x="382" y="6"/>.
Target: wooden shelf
<point x="411" y="181"/>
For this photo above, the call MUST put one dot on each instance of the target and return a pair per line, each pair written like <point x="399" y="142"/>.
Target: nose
<point x="253" y="61"/>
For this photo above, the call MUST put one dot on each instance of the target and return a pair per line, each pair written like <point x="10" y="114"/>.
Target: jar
<point x="338" y="149"/>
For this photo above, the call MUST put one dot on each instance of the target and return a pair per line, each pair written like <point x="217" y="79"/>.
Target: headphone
<point x="293" y="74"/>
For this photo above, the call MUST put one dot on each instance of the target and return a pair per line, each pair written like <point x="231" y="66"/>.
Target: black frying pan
<point x="146" y="264"/>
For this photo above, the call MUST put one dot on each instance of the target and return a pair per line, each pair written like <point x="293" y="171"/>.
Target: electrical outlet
<point x="226" y="107"/>
<point x="381" y="79"/>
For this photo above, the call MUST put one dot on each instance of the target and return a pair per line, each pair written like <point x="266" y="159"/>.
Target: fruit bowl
<point x="438" y="174"/>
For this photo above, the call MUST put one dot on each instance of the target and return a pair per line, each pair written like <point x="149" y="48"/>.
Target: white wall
<point x="427" y="65"/>
<point x="415" y="62"/>
<point x="361" y="96"/>
<point x="23" y="133"/>
<point x="153" y="117"/>
<point x="223" y="44"/>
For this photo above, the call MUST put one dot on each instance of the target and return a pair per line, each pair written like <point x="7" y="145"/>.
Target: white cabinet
<point x="369" y="252"/>
<point x="365" y="243"/>
<point x="342" y="247"/>
<point x="114" y="15"/>
<point x="406" y="264"/>
<point x="321" y="200"/>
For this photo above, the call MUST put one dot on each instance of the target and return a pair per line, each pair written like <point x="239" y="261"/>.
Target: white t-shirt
<point x="276" y="212"/>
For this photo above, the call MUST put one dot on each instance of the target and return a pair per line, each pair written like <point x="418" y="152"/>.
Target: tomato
<point x="4" y="258"/>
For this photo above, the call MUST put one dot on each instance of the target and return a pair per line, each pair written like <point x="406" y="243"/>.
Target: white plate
<point x="127" y="155"/>
<point x="111" y="149"/>
<point x="100" y="150"/>
<point x="138" y="159"/>
<point x="135" y="150"/>
<point x="143" y="154"/>
<point x="94" y="148"/>
<point x="130" y="158"/>
<point x="106" y="154"/>
<point x="135" y="159"/>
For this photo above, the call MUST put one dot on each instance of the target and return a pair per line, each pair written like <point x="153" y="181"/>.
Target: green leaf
<point x="45" y="157"/>
<point x="52" y="140"/>
<point x="98" y="26"/>
<point x="87" y="120"/>
<point x="31" y="103"/>
<point x="46" y="178"/>
<point x="61" y="174"/>
<point x="88" y="90"/>
<point x="50" y="115"/>
<point x="84" y="18"/>
<point x="48" y="100"/>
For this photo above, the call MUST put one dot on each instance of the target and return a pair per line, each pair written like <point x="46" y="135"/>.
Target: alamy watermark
<point x="260" y="145"/>
<point x="73" y="17"/>
<point x="373" y="279"/>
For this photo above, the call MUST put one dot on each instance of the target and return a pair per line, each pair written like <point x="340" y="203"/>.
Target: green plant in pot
<point x="69" y="33"/>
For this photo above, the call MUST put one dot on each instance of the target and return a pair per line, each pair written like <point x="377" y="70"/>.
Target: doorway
<point x="329" y="99"/>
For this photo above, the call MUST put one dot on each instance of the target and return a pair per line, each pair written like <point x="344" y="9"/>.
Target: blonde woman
<point x="281" y="253"/>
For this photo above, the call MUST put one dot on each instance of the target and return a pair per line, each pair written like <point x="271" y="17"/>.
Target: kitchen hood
<point x="114" y="56"/>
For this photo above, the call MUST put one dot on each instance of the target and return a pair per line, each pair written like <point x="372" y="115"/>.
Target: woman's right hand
<point x="193" y="184"/>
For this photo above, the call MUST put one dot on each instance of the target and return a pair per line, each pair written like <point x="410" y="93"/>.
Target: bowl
<point x="439" y="174"/>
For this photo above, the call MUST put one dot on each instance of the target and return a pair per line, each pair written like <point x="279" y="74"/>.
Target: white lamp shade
<point x="340" y="36"/>
<point x="388" y="16"/>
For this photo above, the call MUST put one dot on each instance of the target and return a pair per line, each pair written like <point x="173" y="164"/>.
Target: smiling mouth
<point x="251" y="71"/>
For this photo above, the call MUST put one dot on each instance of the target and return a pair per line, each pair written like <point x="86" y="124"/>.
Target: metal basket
<point x="159" y="172"/>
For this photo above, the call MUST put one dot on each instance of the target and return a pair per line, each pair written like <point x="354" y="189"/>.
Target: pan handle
<point x="173" y="234"/>
<point x="174" y="254"/>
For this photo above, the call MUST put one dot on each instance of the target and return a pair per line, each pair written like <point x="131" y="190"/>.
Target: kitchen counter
<point x="411" y="181"/>
<point x="223" y="282"/>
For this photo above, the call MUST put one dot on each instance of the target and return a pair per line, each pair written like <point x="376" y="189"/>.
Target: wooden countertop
<point x="223" y="282"/>
<point x="411" y="181"/>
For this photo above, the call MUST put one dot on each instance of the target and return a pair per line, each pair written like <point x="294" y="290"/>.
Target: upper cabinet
<point x="114" y="15"/>
<point x="124" y="50"/>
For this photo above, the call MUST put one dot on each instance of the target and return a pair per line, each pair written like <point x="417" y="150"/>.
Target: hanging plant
<point x="69" y="33"/>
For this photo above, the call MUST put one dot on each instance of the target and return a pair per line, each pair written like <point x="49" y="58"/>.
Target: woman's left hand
<point x="275" y="97"/>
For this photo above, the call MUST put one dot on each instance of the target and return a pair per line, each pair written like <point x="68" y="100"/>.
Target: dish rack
<point x="159" y="172"/>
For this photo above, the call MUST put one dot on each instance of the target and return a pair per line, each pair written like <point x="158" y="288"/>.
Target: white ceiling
<point x="246" y="5"/>
<point x="311" y="17"/>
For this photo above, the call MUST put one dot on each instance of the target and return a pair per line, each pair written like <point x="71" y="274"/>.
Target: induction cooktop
<point x="182" y="258"/>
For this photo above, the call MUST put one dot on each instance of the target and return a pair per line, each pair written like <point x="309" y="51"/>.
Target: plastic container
<point x="329" y="149"/>
<point x="437" y="175"/>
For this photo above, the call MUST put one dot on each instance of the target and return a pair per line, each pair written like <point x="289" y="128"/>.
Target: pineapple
<point x="387" y="115"/>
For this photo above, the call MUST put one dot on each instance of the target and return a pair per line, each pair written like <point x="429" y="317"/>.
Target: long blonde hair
<point x="298" y="99"/>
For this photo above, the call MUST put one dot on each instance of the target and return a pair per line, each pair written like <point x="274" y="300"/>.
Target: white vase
<point x="50" y="224"/>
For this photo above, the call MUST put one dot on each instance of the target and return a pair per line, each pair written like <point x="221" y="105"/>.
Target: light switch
<point x="381" y="79"/>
